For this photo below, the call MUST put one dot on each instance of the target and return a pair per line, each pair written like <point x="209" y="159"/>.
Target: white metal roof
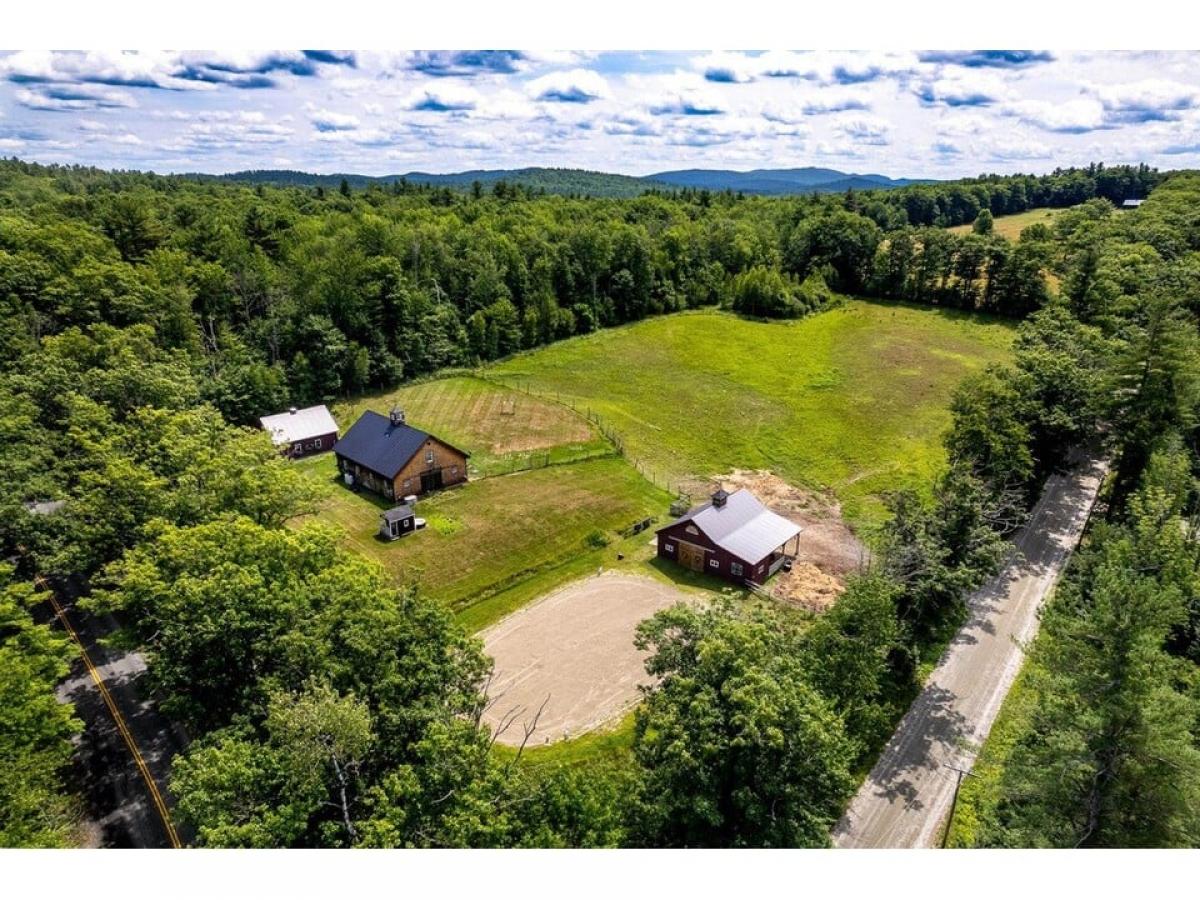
<point x="743" y="526"/>
<point x="299" y="424"/>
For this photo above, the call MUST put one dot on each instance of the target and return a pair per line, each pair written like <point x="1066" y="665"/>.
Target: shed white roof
<point x="299" y="424"/>
<point x="743" y="526"/>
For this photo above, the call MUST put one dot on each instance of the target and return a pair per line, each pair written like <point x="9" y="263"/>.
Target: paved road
<point x="120" y="809"/>
<point x="906" y="799"/>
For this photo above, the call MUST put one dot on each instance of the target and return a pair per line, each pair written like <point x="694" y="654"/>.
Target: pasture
<point x="853" y="399"/>
<point x="493" y="534"/>
<point x="1011" y="226"/>
<point x="500" y="428"/>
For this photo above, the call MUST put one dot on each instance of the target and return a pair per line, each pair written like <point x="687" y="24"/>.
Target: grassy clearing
<point x="611" y="743"/>
<point x="1011" y="226"/>
<point x="853" y="399"/>
<point x="492" y="535"/>
<point x="500" y="428"/>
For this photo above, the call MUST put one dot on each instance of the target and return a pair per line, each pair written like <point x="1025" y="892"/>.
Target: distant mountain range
<point x="807" y="180"/>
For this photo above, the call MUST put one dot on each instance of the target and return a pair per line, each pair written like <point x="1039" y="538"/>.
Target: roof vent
<point x="397" y="416"/>
<point x="293" y="410"/>
<point x="719" y="498"/>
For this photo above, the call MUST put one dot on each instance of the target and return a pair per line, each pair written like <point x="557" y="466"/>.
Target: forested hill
<point x="570" y="182"/>
<point x="808" y="180"/>
<point x="584" y="183"/>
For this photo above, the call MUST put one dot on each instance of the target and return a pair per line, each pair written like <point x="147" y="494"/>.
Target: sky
<point x="936" y="114"/>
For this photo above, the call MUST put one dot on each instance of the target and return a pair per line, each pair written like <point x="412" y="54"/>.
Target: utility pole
<point x="958" y="780"/>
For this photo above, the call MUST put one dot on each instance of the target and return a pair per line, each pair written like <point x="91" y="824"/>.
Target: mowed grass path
<point x="853" y="399"/>
<point x="497" y="426"/>
<point x="495" y="532"/>
<point x="1011" y="226"/>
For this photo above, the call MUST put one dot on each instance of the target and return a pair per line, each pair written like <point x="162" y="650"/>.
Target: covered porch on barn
<point x="783" y="556"/>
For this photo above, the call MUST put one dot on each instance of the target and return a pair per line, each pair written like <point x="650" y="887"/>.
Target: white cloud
<point x="1071" y="116"/>
<point x="963" y="87"/>
<point x="572" y="86"/>
<point x="443" y="97"/>
<point x="325" y="120"/>
<point x="1147" y="99"/>
<point x="72" y="97"/>
<point x="865" y="130"/>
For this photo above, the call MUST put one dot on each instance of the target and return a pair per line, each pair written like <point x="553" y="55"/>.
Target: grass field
<point x="493" y="535"/>
<point x="1011" y="226"/>
<point x="854" y="399"/>
<point x="500" y="428"/>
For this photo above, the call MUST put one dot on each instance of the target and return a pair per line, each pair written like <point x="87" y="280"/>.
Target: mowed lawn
<point x="1011" y="226"/>
<point x="499" y="427"/>
<point x="496" y="532"/>
<point x="854" y="399"/>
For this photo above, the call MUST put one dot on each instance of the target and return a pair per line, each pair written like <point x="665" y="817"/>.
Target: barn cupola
<point x="719" y="498"/>
<point x="397" y="416"/>
<point x="293" y="410"/>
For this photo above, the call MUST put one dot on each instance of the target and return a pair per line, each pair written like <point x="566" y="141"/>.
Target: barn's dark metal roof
<point x="398" y="513"/>
<point x="375" y="443"/>
<point x="742" y="526"/>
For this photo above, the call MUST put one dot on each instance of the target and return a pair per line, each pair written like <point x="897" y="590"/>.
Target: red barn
<point x="302" y="432"/>
<point x="733" y="536"/>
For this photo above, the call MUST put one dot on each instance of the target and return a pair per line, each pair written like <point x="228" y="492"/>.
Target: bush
<point x="772" y="294"/>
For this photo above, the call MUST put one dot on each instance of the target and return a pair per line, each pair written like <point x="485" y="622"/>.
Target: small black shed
<point x="397" y="521"/>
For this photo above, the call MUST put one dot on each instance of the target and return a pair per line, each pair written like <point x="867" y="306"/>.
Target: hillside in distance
<point x="805" y="180"/>
<point x="583" y="182"/>
<point x="552" y="181"/>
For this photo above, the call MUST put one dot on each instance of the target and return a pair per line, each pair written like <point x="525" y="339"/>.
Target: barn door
<point x="691" y="556"/>
<point x="431" y="481"/>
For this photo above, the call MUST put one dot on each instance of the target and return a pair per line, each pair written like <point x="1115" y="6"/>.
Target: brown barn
<point x="390" y="457"/>
<point x="302" y="432"/>
<point x="733" y="536"/>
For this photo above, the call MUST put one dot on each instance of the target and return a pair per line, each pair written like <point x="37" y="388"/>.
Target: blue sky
<point x="934" y="113"/>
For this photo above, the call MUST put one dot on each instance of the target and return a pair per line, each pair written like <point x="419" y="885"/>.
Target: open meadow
<point x="501" y="428"/>
<point x="1011" y="226"/>
<point x="493" y="533"/>
<point x="853" y="399"/>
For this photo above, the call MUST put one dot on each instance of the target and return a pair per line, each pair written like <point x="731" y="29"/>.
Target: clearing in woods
<point x="1011" y="226"/>
<point x="854" y="399"/>
<point x="498" y="426"/>
<point x="494" y="532"/>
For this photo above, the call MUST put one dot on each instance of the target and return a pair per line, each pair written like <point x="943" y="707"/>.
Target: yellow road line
<point x="151" y="785"/>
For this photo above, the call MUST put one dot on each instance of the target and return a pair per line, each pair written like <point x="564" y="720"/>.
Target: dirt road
<point x="906" y="799"/>
<point x="573" y="651"/>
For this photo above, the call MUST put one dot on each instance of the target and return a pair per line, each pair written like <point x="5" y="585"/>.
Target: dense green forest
<point x="144" y="319"/>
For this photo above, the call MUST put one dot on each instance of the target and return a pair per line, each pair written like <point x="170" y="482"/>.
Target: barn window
<point x="735" y="569"/>
<point x="429" y="456"/>
<point x="454" y="470"/>
<point x="407" y="483"/>
<point x="670" y="548"/>
<point x="714" y="563"/>
<point x="692" y="529"/>
<point x="759" y="570"/>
